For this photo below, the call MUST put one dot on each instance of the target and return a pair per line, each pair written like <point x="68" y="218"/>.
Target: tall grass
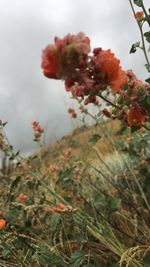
<point x="81" y="211"/>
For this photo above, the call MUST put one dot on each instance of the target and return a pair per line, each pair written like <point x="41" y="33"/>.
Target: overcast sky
<point x="26" y="27"/>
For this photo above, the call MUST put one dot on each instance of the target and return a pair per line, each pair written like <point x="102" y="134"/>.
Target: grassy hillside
<point x="83" y="201"/>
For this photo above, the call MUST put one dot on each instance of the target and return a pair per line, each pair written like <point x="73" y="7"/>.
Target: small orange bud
<point x="61" y="205"/>
<point x="58" y="210"/>
<point x="74" y="115"/>
<point x="22" y="197"/>
<point x="81" y="109"/>
<point x="70" y="110"/>
<point x="30" y="167"/>
<point x="139" y="15"/>
<point x="114" y="192"/>
<point x="2" y="223"/>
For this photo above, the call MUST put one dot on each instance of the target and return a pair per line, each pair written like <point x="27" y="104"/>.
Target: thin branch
<point x="109" y="102"/>
<point x="141" y="32"/>
<point x="146" y="15"/>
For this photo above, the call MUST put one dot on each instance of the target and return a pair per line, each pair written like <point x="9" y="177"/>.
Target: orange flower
<point x="58" y="210"/>
<point x="74" y="115"/>
<point x="136" y="117"/>
<point x="110" y="67"/>
<point x="30" y="167"/>
<point x="139" y="15"/>
<point x="22" y="197"/>
<point x="50" y="62"/>
<point x="119" y="81"/>
<point x="61" y="205"/>
<point x="2" y="223"/>
<point x="47" y="209"/>
<point x="72" y="112"/>
<point x="67" y="152"/>
<point x="114" y="192"/>
<point x="53" y="168"/>
<point x="109" y="64"/>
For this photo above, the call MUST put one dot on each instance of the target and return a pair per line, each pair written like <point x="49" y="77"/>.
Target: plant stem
<point x="146" y="15"/>
<point x="141" y="32"/>
<point x="108" y="101"/>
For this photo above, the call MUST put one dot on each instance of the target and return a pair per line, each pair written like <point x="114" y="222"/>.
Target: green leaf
<point x="4" y="123"/>
<point x="148" y="100"/>
<point x="113" y="265"/>
<point x="46" y="258"/>
<point x="106" y="231"/>
<point x="95" y="138"/>
<point x="148" y="80"/>
<point x="147" y="67"/>
<point x="90" y="265"/>
<point x="99" y="200"/>
<point x="15" y="182"/>
<point x="43" y="259"/>
<point x="133" y="47"/>
<point x="147" y="36"/>
<point x="114" y="204"/>
<point x="138" y="2"/>
<point x="5" y="252"/>
<point x="10" y="198"/>
<point x="55" y="219"/>
<point x="77" y="259"/>
<point x="147" y="261"/>
<point x="20" y="243"/>
<point x="64" y="180"/>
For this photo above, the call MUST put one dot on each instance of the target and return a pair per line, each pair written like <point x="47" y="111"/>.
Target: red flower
<point x="48" y="209"/>
<point x="50" y="62"/>
<point x="109" y="64"/>
<point x="81" y="43"/>
<point x="139" y="15"/>
<point x="110" y="67"/>
<point x="119" y="81"/>
<point x="136" y="116"/>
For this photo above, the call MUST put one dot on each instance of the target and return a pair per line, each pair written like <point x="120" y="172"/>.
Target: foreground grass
<point x="80" y="202"/>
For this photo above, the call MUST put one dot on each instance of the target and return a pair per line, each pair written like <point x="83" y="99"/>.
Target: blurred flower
<point x="106" y="113"/>
<point x="38" y="130"/>
<point x="72" y="112"/>
<point x="74" y="115"/>
<point x="53" y="168"/>
<point x="22" y="197"/>
<point x="67" y="152"/>
<point x="136" y="116"/>
<point x="48" y="209"/>
<point x="50" y="62"/>
<point x="61" y="207"/>
<point x="110" y="67"/>
<point x="30" y="167"/>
